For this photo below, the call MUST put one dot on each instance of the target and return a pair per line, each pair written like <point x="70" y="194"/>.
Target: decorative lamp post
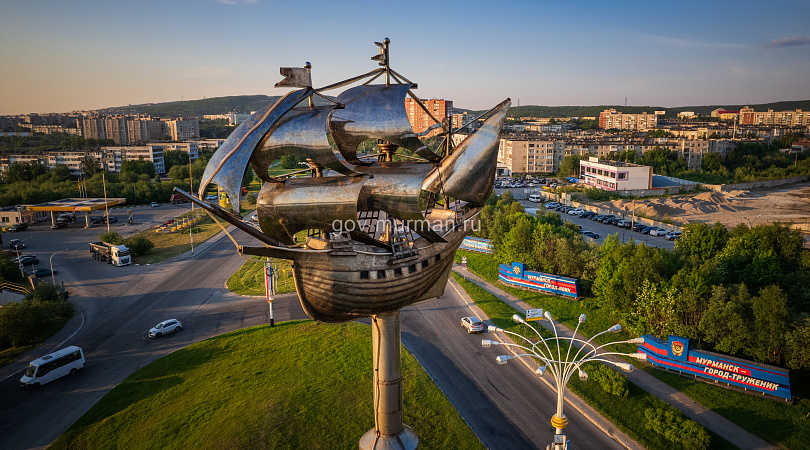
<point x="562" y="367"/>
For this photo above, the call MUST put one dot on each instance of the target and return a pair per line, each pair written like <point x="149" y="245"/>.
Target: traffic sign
<point x="534" y="314"/>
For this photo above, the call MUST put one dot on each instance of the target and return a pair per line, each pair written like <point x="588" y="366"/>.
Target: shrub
<point x="676" y="428"/>
<point x="111" y="238"/>
<point x="44" y="292"/>
<point x="139" y="245"/>
<point x="611" y="381"/>
<point x="31" y="320"/>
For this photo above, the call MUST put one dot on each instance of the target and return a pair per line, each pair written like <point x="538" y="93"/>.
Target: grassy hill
<point x="296" y="385"/>
<point x="248" y="103"/>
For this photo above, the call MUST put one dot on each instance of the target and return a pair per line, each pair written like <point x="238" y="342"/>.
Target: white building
<point x="615" y="175"/>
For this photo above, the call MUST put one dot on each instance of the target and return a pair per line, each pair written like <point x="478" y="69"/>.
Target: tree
<point x="570" y="166"/>
<point x="90" y="166"/>
<point x="172" y="158"/>
<point x="59" y="173"/>
<point x="698" y="239"/>
<point x="711" y="162"/>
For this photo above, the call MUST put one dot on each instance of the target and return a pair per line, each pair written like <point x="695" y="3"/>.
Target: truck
<point x="110" y="253"/>
<point x="177" y="198"/>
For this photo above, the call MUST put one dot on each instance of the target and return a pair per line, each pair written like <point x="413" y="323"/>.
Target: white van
<point x="535" y="198"/>
<point x="55" y="365"/>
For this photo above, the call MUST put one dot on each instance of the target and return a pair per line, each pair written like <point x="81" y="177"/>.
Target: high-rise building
<point x="790" y="118"/>
<point x="610" y="118"/>
<point x="420" y="120"/>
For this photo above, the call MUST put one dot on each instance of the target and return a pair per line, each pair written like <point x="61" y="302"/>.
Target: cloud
<point x="788" y="42"/>
<point x="228" y="2"/>
<point x="679" y="42"/>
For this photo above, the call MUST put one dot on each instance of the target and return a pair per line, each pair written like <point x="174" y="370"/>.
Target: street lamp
<point x="751" y="222"/>
<point x="562" y="368"/>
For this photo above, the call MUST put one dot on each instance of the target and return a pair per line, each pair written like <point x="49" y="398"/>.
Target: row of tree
<point x="744" y="291"/>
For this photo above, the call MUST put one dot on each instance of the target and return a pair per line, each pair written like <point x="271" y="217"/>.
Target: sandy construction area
<point x="790" y="203"/>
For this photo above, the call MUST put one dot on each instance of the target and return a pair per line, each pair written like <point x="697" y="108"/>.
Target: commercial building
<point x="610" y="119"/>
<point x="615" y="175"/>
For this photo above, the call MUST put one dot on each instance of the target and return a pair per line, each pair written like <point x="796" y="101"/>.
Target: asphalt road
<point x="506" y="405"/>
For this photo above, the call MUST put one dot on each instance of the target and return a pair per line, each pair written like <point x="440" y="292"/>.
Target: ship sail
<point x="300" y="132"/>
<point x="374" y="112"/>
<point x="227" y="166"/>
<point x="469" y="173"/>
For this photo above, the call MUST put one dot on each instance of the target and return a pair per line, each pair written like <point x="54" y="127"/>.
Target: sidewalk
<point x="695" y="411"/>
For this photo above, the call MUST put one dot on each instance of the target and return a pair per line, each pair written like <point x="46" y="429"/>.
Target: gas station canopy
<point x="77" y="204"/>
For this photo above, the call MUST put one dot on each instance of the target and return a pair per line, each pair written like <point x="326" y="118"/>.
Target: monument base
<point x="405" y="440"/>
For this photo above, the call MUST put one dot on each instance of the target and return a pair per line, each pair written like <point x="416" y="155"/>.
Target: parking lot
<point x="601" y="229"/>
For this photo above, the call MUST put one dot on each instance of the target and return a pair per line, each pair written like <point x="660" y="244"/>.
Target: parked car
<point x="211" y="197"/>
<point x="155" y="204"/>
<point x="607" y="217"/>
<point x="16" y="244"/>
<point x="58" y="225"/>
<point x="639" y="226"/>
<point x="587" y="214"/>
<point x="19" y="227"/>
<point x="576" y="211"/>
<point x="165" y="327"/>
<point x="96" y="220"/>
<point x="672" y="235"/>
<point x="623" y="223"/>
<point x="39" y="273"/>
<point x="659" y="232"/>
<point x="472" y="324"/>
<point x="611" y="221"/>
<point x="597" y="217"/>
<point x="649" y="230"/>
<point x="590" y="234"/>
<point x="26" y="260"/>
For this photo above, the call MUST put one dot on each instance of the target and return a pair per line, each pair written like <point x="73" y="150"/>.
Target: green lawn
<point x="297" y="385"/>
<point x="776" y="422"/>
<point x="249" y="279"/>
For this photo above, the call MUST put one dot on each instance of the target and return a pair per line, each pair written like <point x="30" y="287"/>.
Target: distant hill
<point x="593" y="111"/>
<point x="249" y="103"/>
<point x="215" y="105"/>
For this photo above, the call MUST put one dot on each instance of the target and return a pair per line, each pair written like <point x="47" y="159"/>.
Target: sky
<point x="60" y="56"/>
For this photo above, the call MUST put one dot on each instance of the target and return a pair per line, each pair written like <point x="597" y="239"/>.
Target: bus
<point x="55" y="365"/>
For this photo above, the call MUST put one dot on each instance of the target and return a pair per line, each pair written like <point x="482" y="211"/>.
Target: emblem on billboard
<point x="516" y="269"/>
<point x="677" y="348"/>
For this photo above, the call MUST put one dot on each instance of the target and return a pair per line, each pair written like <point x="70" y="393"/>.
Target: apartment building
<point x="420" y="120"/>
<point x="789" y="118"/>
<point x="150" y="152"/>
<point x="610" y="118"/>
<point x="133" y="130"/>
<point x="530" y="154"/>
<point x="615" y="175"/>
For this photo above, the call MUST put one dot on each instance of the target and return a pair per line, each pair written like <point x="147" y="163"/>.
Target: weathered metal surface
<point x="295" y="77"/>
<point x="469" y="173"/>
<point x="301" y="132"/>
<point x="227" y="166"/>
<point x="374" y="112"/>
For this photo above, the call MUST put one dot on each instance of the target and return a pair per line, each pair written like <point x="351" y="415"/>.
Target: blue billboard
<point x="517" y="275"/>
<point x="475" y="244"/>
<point x="675" y="354"/>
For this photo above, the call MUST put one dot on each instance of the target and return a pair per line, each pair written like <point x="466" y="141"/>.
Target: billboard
<point x="475" y="244"/>
<point x="516" y="275"/>
<point x="675" y="354"/>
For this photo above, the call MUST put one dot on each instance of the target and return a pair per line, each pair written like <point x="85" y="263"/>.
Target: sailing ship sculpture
<point x="367" y="234"/>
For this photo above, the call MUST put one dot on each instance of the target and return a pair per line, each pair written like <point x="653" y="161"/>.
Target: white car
<point x="211" y="197"/>
<point x="659" y="232"/>
<point x="165" y="327"/>
<point x="551" y="205"/>
<point x="576" y="211"/>
<point x="472" y="324"/>
<point x="155" y="204"/>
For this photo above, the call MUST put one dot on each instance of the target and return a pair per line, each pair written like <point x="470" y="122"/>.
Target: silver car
<point x="165" y="327"/>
